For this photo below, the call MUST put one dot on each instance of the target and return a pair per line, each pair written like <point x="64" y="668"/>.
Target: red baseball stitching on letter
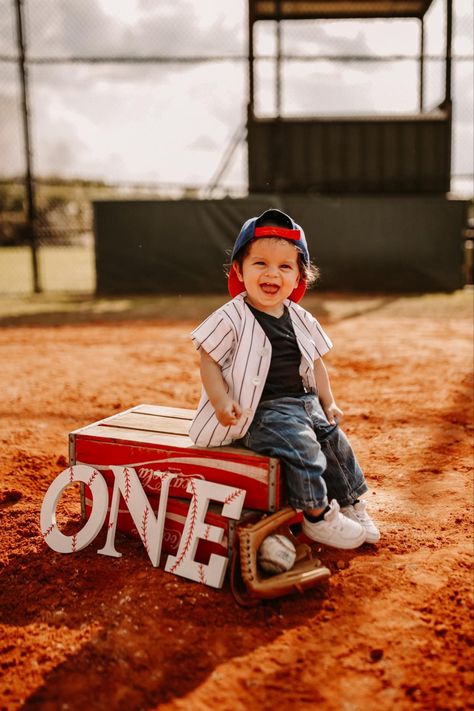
<point x="48" y="531"/>
<point x="128" y="486"/>
<point x="74" y="543"/>
<point x="232" y="497"/>
<point x="191" y="528"/>
<point x="92" y="477"/>
<point x="144" y="529"/>
<point x="202" y="577"/>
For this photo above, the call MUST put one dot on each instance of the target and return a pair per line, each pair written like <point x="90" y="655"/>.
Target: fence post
<point x="30" y="193"/>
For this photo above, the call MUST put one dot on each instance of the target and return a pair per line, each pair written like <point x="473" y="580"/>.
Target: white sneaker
<point x="358" y="513"/>
<point x="335" y="530"/>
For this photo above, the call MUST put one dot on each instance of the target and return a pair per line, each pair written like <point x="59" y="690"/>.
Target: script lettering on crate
<point x="152" y="478"/>
<point x="149" y="526"/>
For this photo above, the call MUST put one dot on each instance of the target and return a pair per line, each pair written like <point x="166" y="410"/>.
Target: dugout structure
<point x="371" y="192"/>
<point x="397" y="154"/>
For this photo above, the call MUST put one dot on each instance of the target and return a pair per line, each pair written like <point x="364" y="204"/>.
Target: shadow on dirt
<point x="165" y="633"/>
<point x="46" y="310"/>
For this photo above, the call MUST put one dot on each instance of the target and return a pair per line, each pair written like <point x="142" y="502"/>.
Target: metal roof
<point x="335" y="9"/>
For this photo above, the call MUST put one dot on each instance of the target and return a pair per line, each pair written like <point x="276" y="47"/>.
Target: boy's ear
<point x="238" y="271"/>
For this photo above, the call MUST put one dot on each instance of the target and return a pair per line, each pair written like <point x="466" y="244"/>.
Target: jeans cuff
<point x="306" y="505"/>
<point x="354" y="495"/>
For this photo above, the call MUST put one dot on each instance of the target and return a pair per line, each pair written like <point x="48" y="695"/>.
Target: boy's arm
<point x="326" y="398"/>
<point x="228" y="411"/>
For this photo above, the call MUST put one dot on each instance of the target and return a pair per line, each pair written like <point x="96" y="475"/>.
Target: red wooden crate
<point x="154" y="440"/>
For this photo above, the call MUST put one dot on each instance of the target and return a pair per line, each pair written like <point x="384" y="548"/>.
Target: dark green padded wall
<point x="359" y="243"/>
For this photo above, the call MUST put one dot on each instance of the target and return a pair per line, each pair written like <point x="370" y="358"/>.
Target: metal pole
<point x="447" y="93"/>
<point x="278" y="62"/>
<point x="251" y="61"/>
<point x="251" y="88"/>
<point x="30" y="193"/>
<point x="278" y="151"/>
<point x="449" y="41"/>
<point x="422" y="64"/>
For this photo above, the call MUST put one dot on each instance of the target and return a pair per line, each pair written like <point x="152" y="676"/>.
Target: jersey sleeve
<point x="322" y="342"/>
<point x="216" y="336"/>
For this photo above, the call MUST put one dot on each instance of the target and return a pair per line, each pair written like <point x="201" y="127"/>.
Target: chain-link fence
<point x="148" y="98"/>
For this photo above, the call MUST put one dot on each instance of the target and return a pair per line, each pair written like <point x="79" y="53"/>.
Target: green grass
<point x="61" y="269"/>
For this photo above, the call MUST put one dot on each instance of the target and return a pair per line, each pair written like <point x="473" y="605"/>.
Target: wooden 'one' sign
<point x="149" y="525"/>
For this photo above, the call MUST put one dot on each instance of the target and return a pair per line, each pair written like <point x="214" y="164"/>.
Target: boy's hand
<point x="333" y="413"/>
<point x="228" y="413"/>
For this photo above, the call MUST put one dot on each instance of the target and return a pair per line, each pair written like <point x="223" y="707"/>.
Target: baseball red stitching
<point x="92" y="477"/>
<point x="202" y="577"/>
<point x="235" y="495"/>
<point x="144" y="529"/>
<point x="191" y="528"/>
<point x="48" y="531"/>
<point x="128" y="486"/>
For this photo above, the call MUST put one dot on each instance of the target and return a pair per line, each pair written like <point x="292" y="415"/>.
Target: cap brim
<point x="236" y="287"/>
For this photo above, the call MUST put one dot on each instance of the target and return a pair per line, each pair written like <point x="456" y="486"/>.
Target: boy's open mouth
<point x="269" y="288"/>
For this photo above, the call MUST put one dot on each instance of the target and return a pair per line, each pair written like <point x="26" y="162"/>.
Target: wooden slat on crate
<point x="130" y="435"/>
<point x="126" y="434"/>
<point x="174" y="412"/>
<point x="148" y="423"/>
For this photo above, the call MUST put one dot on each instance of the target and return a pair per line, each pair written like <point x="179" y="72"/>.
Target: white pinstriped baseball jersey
<point x="236" y="341"/>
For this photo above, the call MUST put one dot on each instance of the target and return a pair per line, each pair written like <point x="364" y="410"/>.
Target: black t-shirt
<point x="283" y="379"/>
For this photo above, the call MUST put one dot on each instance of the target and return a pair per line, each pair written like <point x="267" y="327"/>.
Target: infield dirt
<point x="392" y="629"/>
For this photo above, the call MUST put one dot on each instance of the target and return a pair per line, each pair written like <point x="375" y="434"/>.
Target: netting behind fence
<point x="143" y="99"/>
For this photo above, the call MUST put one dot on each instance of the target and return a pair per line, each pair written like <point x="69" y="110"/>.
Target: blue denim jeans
<point x="317" y="460"/>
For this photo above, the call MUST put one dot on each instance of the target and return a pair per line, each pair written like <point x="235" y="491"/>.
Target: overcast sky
<point x="171" y="123"/>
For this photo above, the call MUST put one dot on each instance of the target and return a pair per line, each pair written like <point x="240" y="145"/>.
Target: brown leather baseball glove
<point x="250" y="584"/>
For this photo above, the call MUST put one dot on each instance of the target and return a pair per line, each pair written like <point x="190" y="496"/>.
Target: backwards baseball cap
<point x="283" y="226"/>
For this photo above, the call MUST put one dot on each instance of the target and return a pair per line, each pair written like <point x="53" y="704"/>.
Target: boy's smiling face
<point x="270" y="272"/>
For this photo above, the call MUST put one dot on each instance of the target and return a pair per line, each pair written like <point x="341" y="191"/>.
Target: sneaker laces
<point x="333" y="516"/>
<point x="360" y="511"/>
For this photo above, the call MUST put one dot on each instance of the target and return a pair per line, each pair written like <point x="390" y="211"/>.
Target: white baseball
<point x="276" y="554"/>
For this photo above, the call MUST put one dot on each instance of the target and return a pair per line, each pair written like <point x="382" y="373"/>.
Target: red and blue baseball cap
<point x="283" y="226"/>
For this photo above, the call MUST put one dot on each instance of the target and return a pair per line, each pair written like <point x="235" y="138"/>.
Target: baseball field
<point x="393" y="626"/>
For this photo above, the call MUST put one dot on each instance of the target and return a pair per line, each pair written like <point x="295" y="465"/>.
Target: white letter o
<point x="100" y="499"/>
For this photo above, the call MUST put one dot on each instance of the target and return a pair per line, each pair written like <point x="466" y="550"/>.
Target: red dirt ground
<point x="391" y="629"/>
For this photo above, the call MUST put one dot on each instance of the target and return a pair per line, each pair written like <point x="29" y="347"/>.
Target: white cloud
<point x="173" y="122"/>
<point x="133" y="27"/>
